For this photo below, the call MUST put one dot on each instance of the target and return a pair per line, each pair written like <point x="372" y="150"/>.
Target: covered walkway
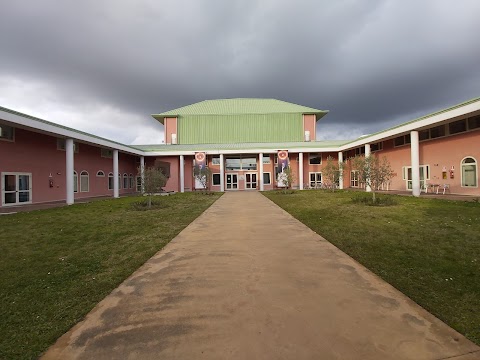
<point x="248" y="281"/>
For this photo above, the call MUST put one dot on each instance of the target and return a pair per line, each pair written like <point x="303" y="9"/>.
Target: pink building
<point x="241" y="140"/>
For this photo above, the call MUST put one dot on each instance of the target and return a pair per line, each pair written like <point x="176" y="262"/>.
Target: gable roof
<point x="240" y="107"/>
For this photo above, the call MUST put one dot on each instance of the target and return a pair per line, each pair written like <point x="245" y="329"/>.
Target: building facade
<point x="242" y="141"/>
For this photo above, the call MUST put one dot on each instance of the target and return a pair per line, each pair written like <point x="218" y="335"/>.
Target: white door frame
<point x="231" y="182"/>
<point x="17" y="186"/>
<point x="251" y="182"/>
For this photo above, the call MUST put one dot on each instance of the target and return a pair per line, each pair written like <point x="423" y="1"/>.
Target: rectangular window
<point x="110" y="181"/>
<point x="457" y="126"/>
<point x="125" y="181"/>
<point x="232" y="164"/>
<point x="423" y="135"/>
<point x="216" y="160"/>
<point x="315" y="180"/>
<point x="360" y="151"/>
<point x="314" y="158"/>
<point x="75" y="182"/>
<point x="61" y="145"/>
<point x="438" y="131"/>
<point x="266" y="159"/>
<point x="107" y="153"/>
<point x="266" y="178"/>
<point x="354" y="178"/>
<point x="7" y="133"/>
<point x="399" y="141"/>
<point x="474" y="122"/>
<point x="216" y="179"/>
<point x="249" y="164"/>
<point x="377" y="146"/>
<point x="139" y="183"/>
<point x="239" y="163"/>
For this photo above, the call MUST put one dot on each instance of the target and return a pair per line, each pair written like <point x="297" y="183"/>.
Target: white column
<point x="182" y="173"/>
<point x="260" y="159"/>
<point x="367" y="153"/>
<point x="115" y="174"/>
<point x="69" y="171"/>
<point x="142" y="173"/>
<point x="222" y="173"/>
<point x="340" y="178"/>
<point x="300" y="170"/>
<point x="415" y="157"/>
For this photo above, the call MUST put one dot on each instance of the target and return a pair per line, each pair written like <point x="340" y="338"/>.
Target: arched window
<point x="469" y="172"/>
<point x="132" y="181"/>
<point x="84" y="182"/>
<point x="75" y="181"/>
<point x="110" y="181"/>
<point x="100" y="173"/>
<point x="125" y="181"/>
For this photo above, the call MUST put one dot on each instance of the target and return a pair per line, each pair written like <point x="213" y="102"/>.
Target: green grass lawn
<point x="57" y="264"/>
<point x="429" y="249"/>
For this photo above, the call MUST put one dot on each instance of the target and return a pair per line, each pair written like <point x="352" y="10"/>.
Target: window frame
<point x="84" y="174"/>
<point x="62" y="145"/>
<point x="100" y="173"/>
<point x="75" y="182"/>
<point x="131" y="181"/>
<point x="125" y="181"/>
<point x="462" y="165"/>
<point x="316" y="183"/>
<point x="311" y="156"/>
<point x="269" y="178"/>
<point x="214" y="160"/>
<point x="3" y="138"/>
<point x="219" y="178"/>
<point x="108" y="155"/>
<point x="354" y="179"/>
<point x="110" y="176"/>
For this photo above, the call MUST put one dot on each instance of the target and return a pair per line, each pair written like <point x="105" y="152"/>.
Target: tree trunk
<point x="373" y="196"/>
<point x="149" y="201"/>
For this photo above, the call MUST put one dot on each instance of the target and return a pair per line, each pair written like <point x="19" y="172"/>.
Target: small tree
<point x="373" y="171"/>
<point x="286" y="177"/>
<point x="153" y="182"/>
<point x="203" y="175"/>
<point x="332" y="171"/>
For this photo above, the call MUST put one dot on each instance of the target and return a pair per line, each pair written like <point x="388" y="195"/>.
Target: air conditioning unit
<point x="307" y="135"/>
<point x="174" y="139"/>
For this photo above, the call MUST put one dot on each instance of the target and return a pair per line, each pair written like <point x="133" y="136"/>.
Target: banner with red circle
<point x="200" y="160"/>
<point x="282" y="160"/>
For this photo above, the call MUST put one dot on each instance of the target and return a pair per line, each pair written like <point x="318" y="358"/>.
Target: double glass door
<point x="250" y="181"/>
<point x="16" y="188"/>
<point x="231" y="181"/>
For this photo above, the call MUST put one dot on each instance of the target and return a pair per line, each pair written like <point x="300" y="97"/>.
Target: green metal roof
<point x="418" y="119"/>
<point x="242" y="146"/>
<point x="240" y="107"/>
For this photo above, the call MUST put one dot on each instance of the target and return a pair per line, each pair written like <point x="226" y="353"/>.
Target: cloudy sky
<point x="105" y="66"/>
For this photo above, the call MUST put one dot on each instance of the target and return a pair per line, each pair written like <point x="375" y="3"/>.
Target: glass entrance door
<point x="231" y="181"/>
<point x="250" y="181"/>
<point x="424" y="176"/>
<point x="16" y="188"/>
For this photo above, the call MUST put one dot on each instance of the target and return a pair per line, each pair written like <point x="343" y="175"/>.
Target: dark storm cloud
<point x="371" y="63"/>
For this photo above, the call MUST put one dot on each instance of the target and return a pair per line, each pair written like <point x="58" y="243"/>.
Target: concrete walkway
<point x="248" y="281"/>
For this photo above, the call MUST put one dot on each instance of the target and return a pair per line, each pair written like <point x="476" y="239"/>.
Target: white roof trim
<point x="461" y="111"/>
<point x="58" y="131"/>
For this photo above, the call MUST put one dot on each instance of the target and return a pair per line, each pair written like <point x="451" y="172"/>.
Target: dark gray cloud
<point x="103" y="66"/>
